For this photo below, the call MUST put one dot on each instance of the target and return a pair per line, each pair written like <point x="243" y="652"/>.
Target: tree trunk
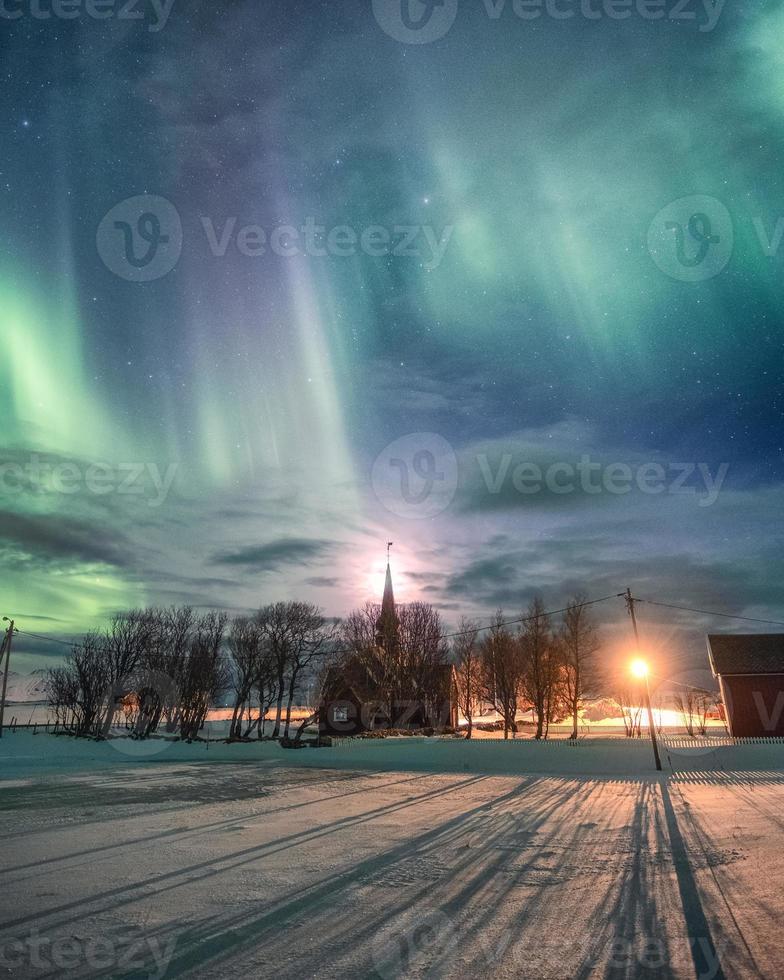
<point x="539" y="717"/>
<point x="292" y="686"/>
<point x="305" y="723"/>
<point x="234" y="727"/>
<point x="279" y="712"/>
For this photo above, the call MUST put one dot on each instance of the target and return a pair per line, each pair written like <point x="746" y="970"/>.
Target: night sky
<point x="549" y="306"/>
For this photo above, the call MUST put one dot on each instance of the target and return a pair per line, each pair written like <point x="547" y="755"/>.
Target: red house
<point x="750" y="670"/>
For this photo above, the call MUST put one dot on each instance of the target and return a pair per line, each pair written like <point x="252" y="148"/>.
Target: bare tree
<point x="313" y="639"/>
<point x="62" y="691"/>
<point x="706" y="701"/>
<point x="694" y="704"/>
<point x="630" y="701"/>
<point x="419" y="658"/>
<point x="296" y="634"/>
<point x="266" y="688"/>
<point x="206" y="675"/>
<point x="125" y="645"/>
<point x="466" y="653"/>
<point x="503" y="669"/>
<point x="90" y="675"/>
<point x="366" y="665"/>
<point x="579" y="642"/>
<point x="243" y="641"/>
<point x="541" y="663"/>
<point x="167" y="656"/>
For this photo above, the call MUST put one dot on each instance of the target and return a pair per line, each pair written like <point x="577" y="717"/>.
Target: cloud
<point x="53" y="537"/>
<point x="284" y="551"/>
<point x="322" y="582"/>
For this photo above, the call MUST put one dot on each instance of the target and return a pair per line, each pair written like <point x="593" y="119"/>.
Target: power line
<point x="528" y="619"/>
<point x="446" y="636"/>
<point x="509" y="622"/>
<point x="50" y="639"/>
<point x="708" y="612"/>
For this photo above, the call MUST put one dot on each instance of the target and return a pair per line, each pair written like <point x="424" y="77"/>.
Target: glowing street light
<point x="639" y="669"/>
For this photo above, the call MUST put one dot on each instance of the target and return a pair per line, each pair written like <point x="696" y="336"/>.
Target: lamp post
<point x="639" y="670"/>
<point x="7" y="650"/>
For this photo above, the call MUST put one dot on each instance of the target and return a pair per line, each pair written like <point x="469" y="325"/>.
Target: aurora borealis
<point x="537" y="153"/>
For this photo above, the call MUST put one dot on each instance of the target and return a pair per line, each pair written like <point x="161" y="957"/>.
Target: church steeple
<point x="387" y="623"/>
<point x="388" y="601"/>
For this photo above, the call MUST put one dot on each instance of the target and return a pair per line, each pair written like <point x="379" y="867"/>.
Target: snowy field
<point x="365" y="861"/>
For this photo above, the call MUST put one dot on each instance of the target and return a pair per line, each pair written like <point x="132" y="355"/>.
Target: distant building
<point x="353" y="699"/>
<point x="750" y="670"/>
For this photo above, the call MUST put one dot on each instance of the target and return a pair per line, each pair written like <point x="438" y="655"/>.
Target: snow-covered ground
<point x="253" y="861"/>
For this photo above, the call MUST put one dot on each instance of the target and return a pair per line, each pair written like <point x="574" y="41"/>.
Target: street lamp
<point x="639" y="669"/>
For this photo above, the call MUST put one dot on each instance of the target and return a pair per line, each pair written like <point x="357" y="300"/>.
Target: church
<point x="357" y="695"/>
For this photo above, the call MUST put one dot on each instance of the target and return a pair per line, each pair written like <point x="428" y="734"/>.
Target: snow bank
<point x="24" y="754"/>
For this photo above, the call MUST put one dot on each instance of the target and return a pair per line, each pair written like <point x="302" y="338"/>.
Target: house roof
<point x="746" y="653"/>
<point x="355" y="676"/>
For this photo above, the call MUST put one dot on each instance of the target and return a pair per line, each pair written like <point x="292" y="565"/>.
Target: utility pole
<point x="630" y="608"/>
<point x="7" y="650"/>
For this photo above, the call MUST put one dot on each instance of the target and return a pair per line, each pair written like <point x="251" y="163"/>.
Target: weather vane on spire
<point x="389" y="545"/>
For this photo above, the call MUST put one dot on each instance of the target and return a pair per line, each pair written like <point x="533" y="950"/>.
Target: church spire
<point x="386" y="626"/>
<point x="388" y="601"/>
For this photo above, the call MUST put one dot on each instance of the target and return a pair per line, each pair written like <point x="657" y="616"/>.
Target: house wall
<point x="346" y="715"/>
<point x="754" y="704"/>
<point x="344" y="704"/>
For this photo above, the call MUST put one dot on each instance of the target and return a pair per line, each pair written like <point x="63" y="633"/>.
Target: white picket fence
<point x="715" y="743"/>
<point x="670" y="741"/>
